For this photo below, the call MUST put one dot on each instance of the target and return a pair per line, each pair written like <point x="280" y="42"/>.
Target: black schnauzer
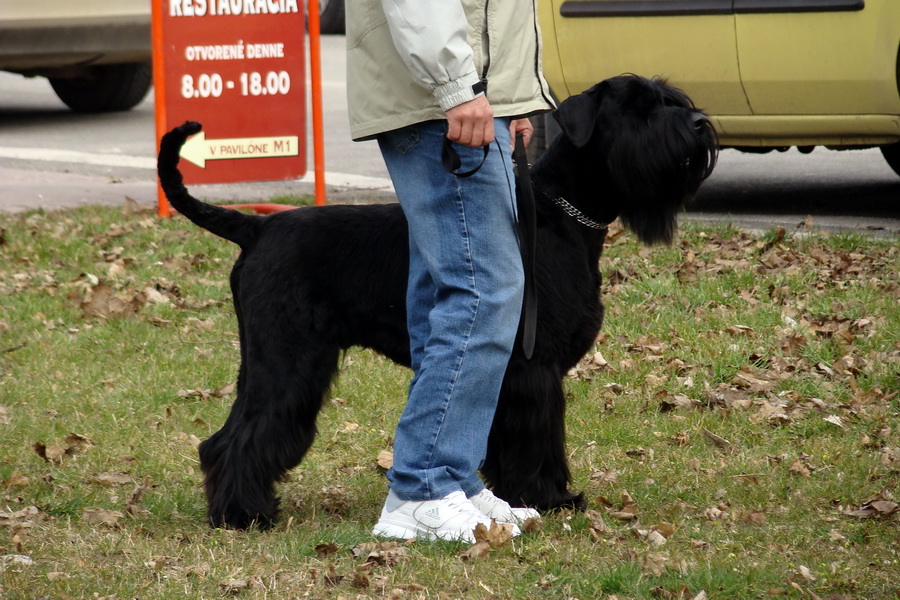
<point x="312" y="282"/>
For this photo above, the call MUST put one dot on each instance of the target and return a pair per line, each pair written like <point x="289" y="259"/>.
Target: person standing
<point x="429" y="79"/>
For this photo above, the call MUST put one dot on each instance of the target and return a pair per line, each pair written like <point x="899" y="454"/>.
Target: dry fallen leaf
<point x="717" y="440"/>
<point x="326" y="550"/>
<point x="102" y="516"/>
<point x="225" y="390"/>
<point x="335" y="498"/>
<point x="670" y="402"/>
<point x="385" y="459"/>
<point x="488" y="539"/>
<point x="665" y="529"/>
<point x="835" y="420"/>
<point x="755" y="518"/>
<point x="111" y="479"/>
<point x="387" y="554"/>
<point x="596" y="526"/>
<point x="497" y="535"/>
<point x="754" y="380"/>
<point x="652" y="536"/>
<point x="740" y="331"/>
<point x="24" y="517"/>
<point x="654" y="564"/>
<point x="881" y="505"/>
<point x="16" y="480"/>
<point x="805" y="574"/>
<point x="235" y="586"/>
<point x="54" y="454"/>
<point x="102" y="302"/>
<point x="628" y="510"/>
<point x="477" y="550"/>
<point x="361" y="578"/>
<point x="798" y="468"/>
<point x="533" y="525"/>
<point x="132" y="505"/>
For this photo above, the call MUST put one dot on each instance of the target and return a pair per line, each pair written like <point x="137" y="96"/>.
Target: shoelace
<point x="463" y="505"/>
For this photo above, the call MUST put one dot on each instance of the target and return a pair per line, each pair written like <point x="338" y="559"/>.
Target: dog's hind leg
<point x="272" y="424"/>
<point x="526" y="459"/>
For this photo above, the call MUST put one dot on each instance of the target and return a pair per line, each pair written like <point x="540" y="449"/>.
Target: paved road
<point x="51" y="157"/>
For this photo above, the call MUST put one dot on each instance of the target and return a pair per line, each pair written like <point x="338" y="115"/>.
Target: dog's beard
<point x="658" y="167"/>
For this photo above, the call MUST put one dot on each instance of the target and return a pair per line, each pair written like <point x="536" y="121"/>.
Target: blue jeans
<point x="463" y="304"/>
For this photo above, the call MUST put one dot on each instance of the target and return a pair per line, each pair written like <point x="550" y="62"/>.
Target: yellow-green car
<point x="771" y="73"/>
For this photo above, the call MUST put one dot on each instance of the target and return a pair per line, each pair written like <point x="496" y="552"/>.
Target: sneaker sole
<point x="400" y="532"/>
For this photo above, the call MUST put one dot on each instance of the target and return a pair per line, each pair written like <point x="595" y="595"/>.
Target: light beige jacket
<point x="408" y="61"/>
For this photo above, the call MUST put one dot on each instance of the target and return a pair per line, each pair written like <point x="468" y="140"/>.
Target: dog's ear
<point x="577" y="114"/>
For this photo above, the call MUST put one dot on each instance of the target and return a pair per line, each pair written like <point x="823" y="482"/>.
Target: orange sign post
<point x="238" y="67"/>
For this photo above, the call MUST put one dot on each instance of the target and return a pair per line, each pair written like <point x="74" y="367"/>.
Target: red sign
<point x="237" y="67"/>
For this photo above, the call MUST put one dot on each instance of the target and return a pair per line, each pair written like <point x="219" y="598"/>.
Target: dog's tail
<point x="237" y="227"/>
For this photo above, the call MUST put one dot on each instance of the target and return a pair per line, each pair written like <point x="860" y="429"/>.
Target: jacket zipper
<point x="537" y="56"/>
<point x="486" y="45"/>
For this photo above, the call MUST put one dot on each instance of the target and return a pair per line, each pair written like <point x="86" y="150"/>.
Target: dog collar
<point x="576" y="214"/>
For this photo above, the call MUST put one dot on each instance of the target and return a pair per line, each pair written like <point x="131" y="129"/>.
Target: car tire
<point x="331" y="16"/>
<point x="105" y="88"/>
<point x="891" y="154"/>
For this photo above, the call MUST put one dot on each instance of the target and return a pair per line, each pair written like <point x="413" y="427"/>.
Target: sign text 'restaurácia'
<point x="201" y="8"/>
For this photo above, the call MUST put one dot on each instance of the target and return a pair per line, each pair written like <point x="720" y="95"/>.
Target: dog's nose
<point x="700" y="121"/>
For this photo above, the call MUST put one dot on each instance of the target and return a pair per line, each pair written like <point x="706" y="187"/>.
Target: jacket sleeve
<point x="430" y="36"/>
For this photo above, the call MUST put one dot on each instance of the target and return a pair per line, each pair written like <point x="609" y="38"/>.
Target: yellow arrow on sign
<point x="198" y="149"/>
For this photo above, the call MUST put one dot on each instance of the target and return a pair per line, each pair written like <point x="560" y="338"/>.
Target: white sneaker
<point x="500" y="510"/>
<point x="451" y="518"/>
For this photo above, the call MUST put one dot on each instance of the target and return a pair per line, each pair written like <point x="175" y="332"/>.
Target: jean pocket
<point x="403" y="139"/>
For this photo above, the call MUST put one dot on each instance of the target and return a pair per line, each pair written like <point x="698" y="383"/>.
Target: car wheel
<point x="891" y="154"/>
<point x="331" y="16"/>
<point x="105" y="88"/>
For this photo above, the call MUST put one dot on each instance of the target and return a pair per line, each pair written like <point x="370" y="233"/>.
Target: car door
<point x="690" y="43"/>
<point x="819" y="57"/>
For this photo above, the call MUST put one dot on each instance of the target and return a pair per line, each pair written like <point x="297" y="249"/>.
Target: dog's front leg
<point x="526" y="459"/>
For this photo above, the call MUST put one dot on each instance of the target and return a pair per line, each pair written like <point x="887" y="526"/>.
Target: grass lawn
<point x="735" y="429"/>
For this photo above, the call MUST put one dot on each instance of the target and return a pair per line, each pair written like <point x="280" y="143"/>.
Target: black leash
<point x="451" y="161"/>
<point x="527" y="229"/>
<point x="527" y="245"/>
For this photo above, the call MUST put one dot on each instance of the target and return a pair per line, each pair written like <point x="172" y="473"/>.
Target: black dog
<point x="312" y="282"/>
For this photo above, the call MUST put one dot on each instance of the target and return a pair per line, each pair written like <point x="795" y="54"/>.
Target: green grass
<point x="762" y="339"/>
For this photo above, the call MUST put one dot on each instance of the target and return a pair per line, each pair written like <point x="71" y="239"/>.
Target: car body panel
<point x="697" y="52"/>
<point x="55" y="37"/>
<point x="821" y="63"/>
<point x="779" y="131"/>
<point x="771" y="73"/>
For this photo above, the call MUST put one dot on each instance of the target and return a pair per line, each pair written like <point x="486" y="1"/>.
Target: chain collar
<point x="577" y="214"/>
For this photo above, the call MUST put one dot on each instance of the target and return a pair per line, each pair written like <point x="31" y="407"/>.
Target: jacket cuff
<point x="454" y="93"/>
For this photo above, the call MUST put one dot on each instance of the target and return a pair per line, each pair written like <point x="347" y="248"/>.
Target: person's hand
<point x="471" y="123"/>
<point x="522" y="126"/>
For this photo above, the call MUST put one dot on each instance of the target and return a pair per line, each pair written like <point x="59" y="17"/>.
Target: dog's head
<point x="648" y="142"/>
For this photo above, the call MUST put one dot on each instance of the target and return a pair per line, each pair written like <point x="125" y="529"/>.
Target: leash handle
<point x="451" y="161"/>
<point x="527" y="226"/>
